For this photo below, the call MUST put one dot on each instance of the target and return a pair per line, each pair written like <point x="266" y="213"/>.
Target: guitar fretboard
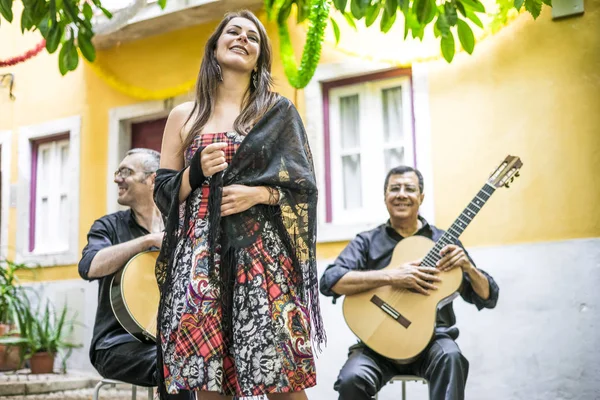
<point x="460" y="224"/>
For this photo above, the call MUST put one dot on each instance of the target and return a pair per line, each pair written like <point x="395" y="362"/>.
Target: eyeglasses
<point x="125" y="172"/>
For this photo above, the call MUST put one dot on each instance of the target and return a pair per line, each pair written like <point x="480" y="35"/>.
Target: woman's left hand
<point x="238" y="198"/>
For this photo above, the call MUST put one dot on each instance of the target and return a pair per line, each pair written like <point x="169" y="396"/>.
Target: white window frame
<point x="371" y="146"/>
<point x="27" y="136"/>
<point x="5" y="146"/>
<point x="314" y="121"/>
<point x="52" y="192"/>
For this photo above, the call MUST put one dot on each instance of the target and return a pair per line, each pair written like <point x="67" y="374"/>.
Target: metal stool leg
<point x="150" y="393"/>
<point x="133" y="392"/>
<point x="99" y="386"/>
<point x="403" y="390"/>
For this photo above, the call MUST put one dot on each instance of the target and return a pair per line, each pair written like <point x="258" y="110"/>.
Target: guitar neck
<point x="460" y="224"/>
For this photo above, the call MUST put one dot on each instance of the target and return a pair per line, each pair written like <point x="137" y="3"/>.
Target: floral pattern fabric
<point x="270" y="350"/>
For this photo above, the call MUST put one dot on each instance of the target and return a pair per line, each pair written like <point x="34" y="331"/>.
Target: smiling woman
<point x="239" y="310"/>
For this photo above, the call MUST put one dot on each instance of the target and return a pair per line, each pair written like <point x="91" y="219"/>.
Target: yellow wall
<point x="531" y="91"/>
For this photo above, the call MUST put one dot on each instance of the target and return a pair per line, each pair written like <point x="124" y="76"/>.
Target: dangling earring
<point x="219" y="75"/>
<point x="255" y="79"/>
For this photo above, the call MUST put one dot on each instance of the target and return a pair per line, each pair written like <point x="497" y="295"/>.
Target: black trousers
<point x="442" y="364"/>
<point x="133" y="363"/>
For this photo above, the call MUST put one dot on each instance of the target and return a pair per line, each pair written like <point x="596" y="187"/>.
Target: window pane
<point x="42" y="223"/>
<point x="349" y="116"/>
<point x="43" y="170"/>
<point x="64" y="165"/>
<point x="393" y="158"/>
<point x="352" y="182"/>
<point x="63" y="227"/>
<point x="392" y="114"/>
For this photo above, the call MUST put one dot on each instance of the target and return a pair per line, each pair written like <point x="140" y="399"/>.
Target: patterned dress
<point x="270" y="351"/>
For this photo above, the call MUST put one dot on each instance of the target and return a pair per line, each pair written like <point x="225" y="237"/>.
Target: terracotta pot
<point x="10" y="359"/>
<point x="42" y="363"/>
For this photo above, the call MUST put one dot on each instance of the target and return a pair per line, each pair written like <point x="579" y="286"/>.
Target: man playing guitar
<point x="358" y="269"/>
<point x="112" y="241"/>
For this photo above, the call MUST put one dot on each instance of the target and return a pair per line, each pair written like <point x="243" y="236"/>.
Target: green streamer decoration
<point x="318" y="18"/>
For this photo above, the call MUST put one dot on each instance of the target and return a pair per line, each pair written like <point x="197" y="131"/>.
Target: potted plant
<point x="11" y="297"/>
<point x="42" y="335"/>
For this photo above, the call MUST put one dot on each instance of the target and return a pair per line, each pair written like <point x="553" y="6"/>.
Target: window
<point x="49" y="228"/>
<point x="370" y="131"/>
<point x="48" y="193"/>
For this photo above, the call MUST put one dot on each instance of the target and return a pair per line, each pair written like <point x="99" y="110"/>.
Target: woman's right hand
<point x="212" y="159"/>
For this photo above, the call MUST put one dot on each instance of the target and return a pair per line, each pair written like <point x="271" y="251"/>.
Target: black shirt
<point x="372" y="250"/>
<point x="108" y="231"/>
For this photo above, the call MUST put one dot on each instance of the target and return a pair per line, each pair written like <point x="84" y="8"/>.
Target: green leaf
<point x="85" y="45"/>
<point x="53" y="38"/>
<point x="26" y="20"/>
<point x="519" y="4"/>
<point x="87" y="11"/>
<point x="162" y="4"/>
<point x="6" y="9"/>
<point x="534" y="7"/>
<point x="475" y="19"/>
<point x="475" y="5"/>
<point x="547" y="2"/>
<point x="387" y="21"/>
<point x="107" y="13"/>
<point x="372" y="13"/>
<point x="390" y="6"/>
<point x="447" y="45"/>
<point x="441" y="26"/>
<point x="461" y="9"/>
<point x="451" y="14"/>
<point x="350" y="20"/>
<point x="340" y="5"/>
<point x="466" y="37"/>
<point x="303" y="8"/>
<point x="424" y="10"/>
<point x="68" y="57"/>
<point x="336" y="30"/>
<point x="358" y="8"/>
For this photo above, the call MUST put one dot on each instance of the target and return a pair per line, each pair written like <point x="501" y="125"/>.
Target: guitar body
<point x="134" y="296"/>
<point x="399" y="323"/>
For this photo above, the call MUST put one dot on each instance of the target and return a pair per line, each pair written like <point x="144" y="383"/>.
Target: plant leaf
<point x="162" y="4"/>
<point x="6" y="9"/>
<point x="466" y="37"/>
<point x="350" y="20"/>
<point x="336" y="30"/>
<point x="441" y="26"/>
<point x="372" y="13"/>
<point x="107" y="13"/>
<point x="390" y="6"/>
<point x="474" y="18"/>
<point x="87" y="11"/>
<point x="451" y="14"/>
<point x="424" y="10"/>
<point x="358" y="8"/>
<point x="519" y="4"/>
<point x="461" y="8"/>
<point x="547" y="2"/>
<point x="340" y="5"/>
<point x="447" y="45"/>
<point x="85" y="45"/>
<point x="53" y="38"/>
<point x="387" y="21"/>
<point x="534" y="7"/>
<point x="476" y="5"/>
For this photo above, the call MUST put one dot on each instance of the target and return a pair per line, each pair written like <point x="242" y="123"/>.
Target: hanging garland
<point x="138" y="92"/>
<point x="318" y="17"/>
<point x="22" y="58"/>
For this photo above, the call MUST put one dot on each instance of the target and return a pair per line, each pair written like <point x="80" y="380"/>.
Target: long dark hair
<point x="259" y="98"/>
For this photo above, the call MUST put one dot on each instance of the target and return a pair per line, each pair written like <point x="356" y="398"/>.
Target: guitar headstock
<point x="506" y="172"/>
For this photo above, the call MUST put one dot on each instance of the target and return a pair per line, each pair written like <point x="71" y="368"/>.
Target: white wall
<point x="540" y="342"/>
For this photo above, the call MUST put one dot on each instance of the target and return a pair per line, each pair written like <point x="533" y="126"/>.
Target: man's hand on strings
<point x="454" y="256"/>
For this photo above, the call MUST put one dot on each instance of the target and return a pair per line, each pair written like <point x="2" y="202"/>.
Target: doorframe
<point x="120" y="120"/>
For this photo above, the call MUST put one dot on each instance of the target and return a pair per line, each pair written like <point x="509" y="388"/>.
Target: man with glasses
<point x="112" y="241"/>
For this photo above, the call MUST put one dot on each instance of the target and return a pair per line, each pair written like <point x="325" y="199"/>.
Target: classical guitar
<point x="399" y="323"/>
<point x="134" y="296"/>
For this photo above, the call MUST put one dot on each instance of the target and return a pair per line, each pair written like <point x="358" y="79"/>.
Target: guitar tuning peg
<point x="512" y="179"/>
<point x="506" y="185"/>
<point x="517" y="174"/>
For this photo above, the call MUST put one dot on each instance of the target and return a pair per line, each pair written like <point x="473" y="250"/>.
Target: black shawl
<point x="275" y="153"/>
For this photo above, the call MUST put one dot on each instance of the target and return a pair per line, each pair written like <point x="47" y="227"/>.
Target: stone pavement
<point x="22" y="385"/>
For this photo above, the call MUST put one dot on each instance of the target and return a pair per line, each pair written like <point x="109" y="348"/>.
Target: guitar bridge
<point x="391" y="311"/>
